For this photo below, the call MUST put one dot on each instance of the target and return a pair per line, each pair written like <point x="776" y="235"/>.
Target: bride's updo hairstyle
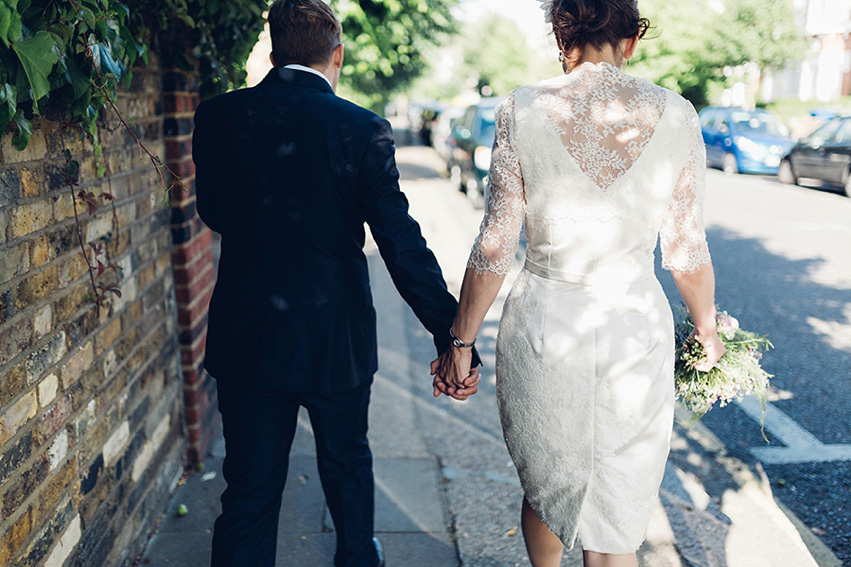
<point x="580" y="23"/>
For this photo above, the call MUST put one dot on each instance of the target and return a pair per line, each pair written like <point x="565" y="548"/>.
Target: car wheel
<point x="848" y="184"/>
<point x="475" y="196"/>
<point x="785" y="174"/>
<point x="729" y="165"/>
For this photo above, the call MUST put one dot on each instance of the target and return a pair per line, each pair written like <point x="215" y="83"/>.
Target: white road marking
<point x="801" y="445"/>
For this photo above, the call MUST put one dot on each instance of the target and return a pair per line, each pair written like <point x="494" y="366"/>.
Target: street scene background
<point x="780" y="252"/>
<point x="110" y="436"/>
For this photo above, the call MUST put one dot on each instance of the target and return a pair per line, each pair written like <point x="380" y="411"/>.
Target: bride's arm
<point x="698" y="291"/>
<point x="478" y="292"/>
<point x="684" y="249"/>
<point x="491" y="259"/>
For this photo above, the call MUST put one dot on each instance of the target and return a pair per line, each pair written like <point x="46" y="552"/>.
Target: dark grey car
<point x="824" y="155"/>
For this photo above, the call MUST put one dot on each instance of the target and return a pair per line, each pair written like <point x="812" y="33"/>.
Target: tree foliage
<point x="490" y="56"/>
<point x="496" y="52"/>
<point x="693" y="41"/>
<point x="385" y="41"/>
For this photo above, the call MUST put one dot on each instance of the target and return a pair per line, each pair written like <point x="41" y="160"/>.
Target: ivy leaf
<point x="103" y="60"/>
<point x="5" y="22"/>
<point x="10" y="21"/>
<point x="9" y="97"/>
<point x="186" y="19"/>
<point x="25" y="130"/>
<point x="5" y="117"/>
<point x="79" y="80"/>
<point x="37" y="58"/>
<point x="87" y="198"/>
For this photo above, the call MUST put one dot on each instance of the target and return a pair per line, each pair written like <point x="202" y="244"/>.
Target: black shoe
<point x="380" y="551"/>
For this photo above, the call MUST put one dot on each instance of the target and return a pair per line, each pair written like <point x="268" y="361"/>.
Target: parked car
<point x="442" y="131"/>
<point x="744" y="141"/>
<point x="470" y="149"/>
<point x="824" y="155"/>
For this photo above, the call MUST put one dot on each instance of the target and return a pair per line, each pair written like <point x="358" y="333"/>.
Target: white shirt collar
<point x="298" y="67"/>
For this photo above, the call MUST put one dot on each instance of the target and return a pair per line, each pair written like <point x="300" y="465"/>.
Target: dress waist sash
<point x="598" y="278"/>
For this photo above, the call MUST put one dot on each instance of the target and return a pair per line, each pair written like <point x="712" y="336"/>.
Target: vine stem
<point x="157" y="162"/>
<point x="83" y="250"/>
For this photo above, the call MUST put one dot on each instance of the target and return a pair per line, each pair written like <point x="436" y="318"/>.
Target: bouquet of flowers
<point x="736" y="375"/>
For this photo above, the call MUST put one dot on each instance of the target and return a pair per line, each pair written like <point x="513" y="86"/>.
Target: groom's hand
<point x="453" y="376"/>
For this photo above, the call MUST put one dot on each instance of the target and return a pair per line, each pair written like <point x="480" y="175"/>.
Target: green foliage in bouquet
<point x="736" y="375"/>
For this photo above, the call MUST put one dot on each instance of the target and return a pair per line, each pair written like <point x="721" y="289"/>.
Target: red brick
<point x="191" y="355"/>
<point x="200" y="245"/>
<point x="183" y="168"/>
<point x="185" y="274"/>
<point x="190" y="395"/>
<point x="193" y="432"/>
<point x="185" y="294"/>
<point x="187" y="315"/>
<point x="178" y="103"/>
<point x="192" y="415"/>
<point x="176" y="147"/>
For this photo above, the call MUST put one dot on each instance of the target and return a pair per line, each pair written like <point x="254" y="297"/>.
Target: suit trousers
<point x="259" y="426"/>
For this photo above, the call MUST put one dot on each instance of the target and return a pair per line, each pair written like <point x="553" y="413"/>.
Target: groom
<point x="288" y="173"/>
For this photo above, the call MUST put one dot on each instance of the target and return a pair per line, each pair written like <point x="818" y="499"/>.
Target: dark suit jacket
<point x="288" y="173"/>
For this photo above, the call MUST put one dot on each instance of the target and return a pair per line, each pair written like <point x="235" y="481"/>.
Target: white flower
<point x="547" y="7"/>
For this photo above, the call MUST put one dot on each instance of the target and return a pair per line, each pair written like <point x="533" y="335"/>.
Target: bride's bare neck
<point x="612" y="54"/>
<point x="608" y="54"/>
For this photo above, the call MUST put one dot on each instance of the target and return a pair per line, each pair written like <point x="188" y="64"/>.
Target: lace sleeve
<point x="682" y="236"/>
<point x="494" y="249"/>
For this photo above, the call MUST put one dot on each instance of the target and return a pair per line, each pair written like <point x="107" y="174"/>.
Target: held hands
<point x="453" y="376"/>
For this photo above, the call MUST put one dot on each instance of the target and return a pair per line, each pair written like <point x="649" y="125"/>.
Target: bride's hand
<point x="714" y="349"/>
<point x="453" y="375"/>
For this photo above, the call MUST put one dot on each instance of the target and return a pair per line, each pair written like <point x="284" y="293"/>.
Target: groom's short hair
<point x="303" y="31"/>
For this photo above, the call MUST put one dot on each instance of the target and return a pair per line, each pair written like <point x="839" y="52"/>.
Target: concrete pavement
<point x="446" y="494"/>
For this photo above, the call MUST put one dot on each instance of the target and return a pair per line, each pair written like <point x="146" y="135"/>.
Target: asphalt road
<point x="783" y="267"/>
<point x="782" y="258"/>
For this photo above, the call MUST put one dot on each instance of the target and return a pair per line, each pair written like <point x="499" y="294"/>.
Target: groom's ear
<point x="338" y="56"/>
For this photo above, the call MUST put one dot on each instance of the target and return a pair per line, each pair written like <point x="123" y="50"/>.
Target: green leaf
<point x="103" y="60"/>
<point x="37" y="58"/>
<point x="78" y="79"/>
<point x="5" y="22"/>
<point x="25" y="130"/>
<point x="8" y="96"/>
<point x="5" y="116"/>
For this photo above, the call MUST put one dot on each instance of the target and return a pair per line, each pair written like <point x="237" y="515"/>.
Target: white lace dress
<point x="598" y="164"/>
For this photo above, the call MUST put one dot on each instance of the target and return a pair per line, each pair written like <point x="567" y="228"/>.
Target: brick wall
<point x="90" y="405"/>
<point x="192" y="257"/>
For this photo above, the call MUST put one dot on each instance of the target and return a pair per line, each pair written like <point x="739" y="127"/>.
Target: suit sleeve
<point x="411" y="264"/>
<point x="207" y="153"/>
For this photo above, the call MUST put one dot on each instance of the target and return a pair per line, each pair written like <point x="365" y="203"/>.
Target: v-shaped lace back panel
<point x="605" y="118"/>
<point x="598" y="164"/>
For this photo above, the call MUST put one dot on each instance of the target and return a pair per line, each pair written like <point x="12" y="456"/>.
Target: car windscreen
<point x="747" y="123"/>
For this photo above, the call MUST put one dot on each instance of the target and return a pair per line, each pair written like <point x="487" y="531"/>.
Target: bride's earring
<point x="563" y="62"/>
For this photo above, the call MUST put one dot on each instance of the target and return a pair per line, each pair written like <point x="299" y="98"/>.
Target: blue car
<point x="744" y="141"/>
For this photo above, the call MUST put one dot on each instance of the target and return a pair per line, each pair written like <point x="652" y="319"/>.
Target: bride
<point x="597" y="164"/>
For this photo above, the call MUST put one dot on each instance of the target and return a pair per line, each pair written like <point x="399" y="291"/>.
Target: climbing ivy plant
<point x="72" y="55"/>
<point x="77" y="52"/>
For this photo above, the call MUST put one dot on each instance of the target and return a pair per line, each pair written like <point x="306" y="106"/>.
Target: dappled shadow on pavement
<point x="809" y="323"/>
